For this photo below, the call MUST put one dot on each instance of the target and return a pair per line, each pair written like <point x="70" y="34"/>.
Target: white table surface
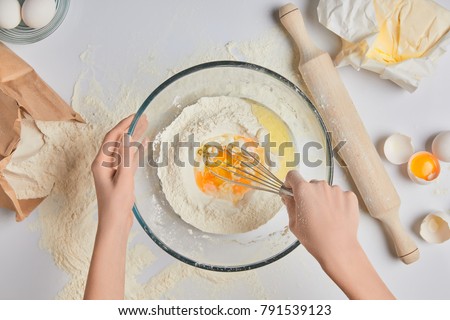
<point x="175" y="28"/>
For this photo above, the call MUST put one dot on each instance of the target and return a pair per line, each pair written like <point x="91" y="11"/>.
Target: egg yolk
<point x="212" y="185"/>
<point x="425" y="166"/>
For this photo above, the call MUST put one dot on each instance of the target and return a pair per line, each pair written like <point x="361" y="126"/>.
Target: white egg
<point x="441" y="146"/>
<point x="398" y="148"/>
<point x="9" y="14"/>
<point x="434" y="228"/>
<point x="38" y="13"/>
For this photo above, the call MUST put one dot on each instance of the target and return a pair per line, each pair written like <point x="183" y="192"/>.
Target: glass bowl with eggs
<point x="29" y="21"/>
<point x="182" y="204"/>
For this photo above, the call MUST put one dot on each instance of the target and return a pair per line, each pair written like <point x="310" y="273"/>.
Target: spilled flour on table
<point x="177" y="281"/>
<point x="67" y="218"/>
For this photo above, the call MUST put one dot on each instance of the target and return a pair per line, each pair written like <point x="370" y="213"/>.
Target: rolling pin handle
<point x="291" y="18"/>
<point x="405" y="248"/>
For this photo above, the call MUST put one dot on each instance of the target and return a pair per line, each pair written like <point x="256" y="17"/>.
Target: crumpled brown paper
<point x="23" y="94"/>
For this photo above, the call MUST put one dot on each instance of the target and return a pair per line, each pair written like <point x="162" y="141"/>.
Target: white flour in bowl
<point x="213" y="117"/>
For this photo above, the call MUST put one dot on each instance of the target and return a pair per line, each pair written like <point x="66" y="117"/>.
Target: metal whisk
<point x="247" y="166"/>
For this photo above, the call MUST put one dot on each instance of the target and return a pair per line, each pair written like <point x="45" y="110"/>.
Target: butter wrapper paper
<point x="399" y="39"/>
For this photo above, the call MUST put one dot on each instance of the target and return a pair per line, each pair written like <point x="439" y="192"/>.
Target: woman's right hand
<point x="325" y="220"/>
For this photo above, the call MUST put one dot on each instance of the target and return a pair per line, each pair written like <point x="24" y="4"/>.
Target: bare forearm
<point x="106" y="279"/>
<point x="114" y="186"/>
<point x="356" y="277"/>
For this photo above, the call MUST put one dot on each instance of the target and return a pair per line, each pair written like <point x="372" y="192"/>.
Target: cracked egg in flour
<point x="200" y="197"/>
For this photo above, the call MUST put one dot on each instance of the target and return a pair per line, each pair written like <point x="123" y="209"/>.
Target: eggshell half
<point x="430" y="179"/>
<point x="398" y="148"/>
<point x="434" y="228"/>
<point x="441" y="146"/>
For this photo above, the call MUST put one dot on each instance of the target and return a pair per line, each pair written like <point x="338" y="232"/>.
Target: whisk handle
<point x="286" y="191"/>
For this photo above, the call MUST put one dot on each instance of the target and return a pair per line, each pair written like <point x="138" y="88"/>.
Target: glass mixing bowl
<point x="231" y="252"/>
<point x="22" y="34"/>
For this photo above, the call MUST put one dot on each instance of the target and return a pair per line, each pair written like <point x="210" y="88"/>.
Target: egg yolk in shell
<point x="424" y="166"/>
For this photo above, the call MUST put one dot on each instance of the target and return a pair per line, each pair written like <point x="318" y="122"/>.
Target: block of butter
<point x="399" y="39"/>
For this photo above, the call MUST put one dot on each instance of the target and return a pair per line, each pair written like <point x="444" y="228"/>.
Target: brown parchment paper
<point x="23" y="93"/>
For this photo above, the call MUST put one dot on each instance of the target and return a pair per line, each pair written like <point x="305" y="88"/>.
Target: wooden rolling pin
<point x="341" y="118"/>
